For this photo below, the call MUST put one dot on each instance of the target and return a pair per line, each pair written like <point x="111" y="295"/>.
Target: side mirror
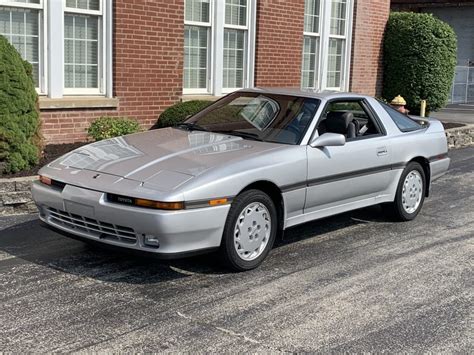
<point x="327" y="140"/>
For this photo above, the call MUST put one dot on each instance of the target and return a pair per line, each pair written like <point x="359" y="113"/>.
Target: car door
<point x="354" y="172"/>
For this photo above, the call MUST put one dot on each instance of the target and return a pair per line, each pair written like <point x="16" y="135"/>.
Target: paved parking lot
<point x="354" y="282"/>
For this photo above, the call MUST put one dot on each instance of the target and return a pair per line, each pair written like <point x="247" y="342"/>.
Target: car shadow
<point x="30" y="242"/>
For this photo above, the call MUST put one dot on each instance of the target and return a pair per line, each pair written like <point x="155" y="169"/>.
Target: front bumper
<point x="86" y="214"/>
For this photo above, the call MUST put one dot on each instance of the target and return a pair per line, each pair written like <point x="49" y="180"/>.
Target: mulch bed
<point x="448" y="125"/>
<point x="50" y="153"/>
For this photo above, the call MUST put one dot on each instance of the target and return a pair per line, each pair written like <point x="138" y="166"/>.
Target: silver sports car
<point x="242" y="170"/>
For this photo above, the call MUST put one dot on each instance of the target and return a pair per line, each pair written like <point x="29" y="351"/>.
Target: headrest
<point x="338" y="121"/>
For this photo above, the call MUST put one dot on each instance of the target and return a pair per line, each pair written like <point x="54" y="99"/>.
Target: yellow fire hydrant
<point x="398" y="103"/>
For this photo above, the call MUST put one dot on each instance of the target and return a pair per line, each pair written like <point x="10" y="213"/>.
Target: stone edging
<point x="15" y="193"/>
<point x="15" y="196"/>
<point x="460" y="136"/>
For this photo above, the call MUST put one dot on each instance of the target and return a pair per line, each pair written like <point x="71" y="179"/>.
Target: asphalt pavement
<point x="460" y="113"/>
<point x="350" y="283"/>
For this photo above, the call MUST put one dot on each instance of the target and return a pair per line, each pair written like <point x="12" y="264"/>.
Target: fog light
<point x="151" y="241"/>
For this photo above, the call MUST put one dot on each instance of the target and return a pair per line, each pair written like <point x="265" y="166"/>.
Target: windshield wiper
<point x="191" y="126"/>
<point x="247" y="135"/>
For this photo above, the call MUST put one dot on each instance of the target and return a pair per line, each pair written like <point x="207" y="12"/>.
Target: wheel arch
<point x="272" y="190"/>
<point x="425" y="164"/>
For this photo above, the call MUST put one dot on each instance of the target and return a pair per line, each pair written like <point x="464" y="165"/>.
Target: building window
<point x="235" y="44"/>
<point x="21" y="23"/>
<point x="196" y="45"/>
<point x="325" y="44"/>
<point x="80" y="43"/>
<point x="218" y="45"/>
<point x="310" y="67"/>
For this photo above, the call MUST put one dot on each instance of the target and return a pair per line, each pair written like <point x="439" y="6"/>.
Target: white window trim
<point x="325" y="36"/>
<point x="102" y="50"/>
<point x="247" y="43"/>
<point x="210" y="36"/>
<point x="216" y="48"/>
<point x="317" y="67"/>
<point x="42" y="40"/>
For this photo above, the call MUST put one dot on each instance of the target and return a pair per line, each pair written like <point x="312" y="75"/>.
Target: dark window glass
<point x="264" y="117"/>
<point x="403" y="122"/>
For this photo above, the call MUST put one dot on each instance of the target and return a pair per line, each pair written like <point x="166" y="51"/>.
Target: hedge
<point x="419" y="59"/>
<point x="179" y="112"/>
<point x="20" y="140"/>
<point x="109" y="127"/>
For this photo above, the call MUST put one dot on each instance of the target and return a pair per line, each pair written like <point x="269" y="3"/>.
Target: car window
<point x="264" y="117"/>
<point x="403" y="122"/>
<point x="349" y="118"/>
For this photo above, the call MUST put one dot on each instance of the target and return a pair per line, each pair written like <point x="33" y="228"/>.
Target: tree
<point x="20" y="140"/>
<point x="419" y="59"/>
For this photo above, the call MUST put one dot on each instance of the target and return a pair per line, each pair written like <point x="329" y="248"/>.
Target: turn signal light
<point x="217" y="202"/>
<point x="45" y="180"/>
<point x="159" y="205"/>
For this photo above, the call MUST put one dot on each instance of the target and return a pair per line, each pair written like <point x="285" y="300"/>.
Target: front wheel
<point x="249" y="231"/>
<point x="410" y="193"/>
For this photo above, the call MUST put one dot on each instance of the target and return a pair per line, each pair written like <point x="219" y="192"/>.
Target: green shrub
<point x="20" y="140"/>
<point x="419" y="59"/>
<point x="109" y="127"/>
<point x="178" y="112"/>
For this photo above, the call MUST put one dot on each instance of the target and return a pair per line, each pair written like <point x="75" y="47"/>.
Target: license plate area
<point x="79" y="209"/>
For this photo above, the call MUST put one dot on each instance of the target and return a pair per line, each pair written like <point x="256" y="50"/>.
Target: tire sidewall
<point x="227" y="245"/>
<point x="398" y="201"/>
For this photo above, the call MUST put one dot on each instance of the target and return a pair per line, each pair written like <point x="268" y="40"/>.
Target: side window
<point x="403" y="122"/>
<point x="349" y="118"/>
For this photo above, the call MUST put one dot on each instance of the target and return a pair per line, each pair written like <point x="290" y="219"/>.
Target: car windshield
<point x="257" y="116"/>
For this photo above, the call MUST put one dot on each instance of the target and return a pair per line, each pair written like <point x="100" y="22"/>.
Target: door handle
<point x="382" y="151"/>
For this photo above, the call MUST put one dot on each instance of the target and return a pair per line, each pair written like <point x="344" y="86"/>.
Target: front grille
<point x="98" y="229"/>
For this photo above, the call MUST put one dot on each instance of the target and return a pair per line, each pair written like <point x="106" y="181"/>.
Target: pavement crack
<point x="230" y="332"/>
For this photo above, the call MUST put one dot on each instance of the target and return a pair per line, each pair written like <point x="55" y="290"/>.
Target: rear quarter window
<point x="403" y="122"/>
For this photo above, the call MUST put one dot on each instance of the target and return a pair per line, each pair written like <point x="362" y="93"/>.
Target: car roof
<point x="323" y="95"/>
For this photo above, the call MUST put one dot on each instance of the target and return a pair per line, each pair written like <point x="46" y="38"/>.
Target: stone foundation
<point x="15" y="196"/>
<point x="461" y="136"/>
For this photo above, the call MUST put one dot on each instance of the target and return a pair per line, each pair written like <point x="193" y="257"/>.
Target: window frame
<point x="101" y="49"/>
<point x="365" y="105"/>
<point x="317" y="62"/>
<point x="42" y="88"/>
<point x="51" y="47"/>
<point x="210" y="35"/>
<point x="324" y="38"/>
<point x="215" y="68"/>
<point x="226" y="90"/>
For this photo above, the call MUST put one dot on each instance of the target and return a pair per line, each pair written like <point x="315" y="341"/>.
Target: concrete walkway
<point x="461" y="113"/>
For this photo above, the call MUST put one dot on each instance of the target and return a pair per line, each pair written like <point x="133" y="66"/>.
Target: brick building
<point x="136" y="57"/>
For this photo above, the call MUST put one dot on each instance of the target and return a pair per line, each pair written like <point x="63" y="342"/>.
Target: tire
<point x="249" y="231"/>
<point x="410" y="194"/>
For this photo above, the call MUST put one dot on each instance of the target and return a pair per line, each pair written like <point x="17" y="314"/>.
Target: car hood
<point x="163" y="159"/>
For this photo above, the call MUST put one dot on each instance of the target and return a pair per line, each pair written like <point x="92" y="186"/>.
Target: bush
<point x="419" y="59"/>
<point x="109" y="127"/>
<point x="178" y="112"/>
<point x="20" y="140"/>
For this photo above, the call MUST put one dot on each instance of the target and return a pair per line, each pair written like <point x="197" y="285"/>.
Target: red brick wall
<point x="148" y="62"/>
<point x="148" y="58"/>
<point x="370" y="18"/>
<point x="279" y="44"/>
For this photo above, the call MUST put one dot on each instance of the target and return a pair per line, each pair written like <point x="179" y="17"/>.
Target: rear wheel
<point x="249" y="231"/>
<point x="410" y="193"/>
